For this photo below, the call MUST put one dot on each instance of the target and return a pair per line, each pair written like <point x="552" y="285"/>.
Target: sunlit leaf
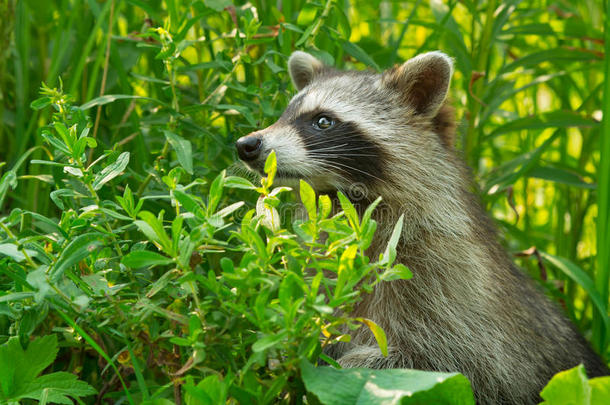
<point x="183" y="150"/>
<point x="111" y="171"/>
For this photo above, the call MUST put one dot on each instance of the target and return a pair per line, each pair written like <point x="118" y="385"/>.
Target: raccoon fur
<point x="467" y="308"/>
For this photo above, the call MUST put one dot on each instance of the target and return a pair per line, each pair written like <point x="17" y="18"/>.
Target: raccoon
<point x="467" y="308"/>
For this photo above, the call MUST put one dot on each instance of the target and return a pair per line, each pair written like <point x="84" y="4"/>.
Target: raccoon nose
<point x="248" y="147"/>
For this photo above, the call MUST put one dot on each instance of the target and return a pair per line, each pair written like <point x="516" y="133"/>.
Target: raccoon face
<point x="344" y="127"/>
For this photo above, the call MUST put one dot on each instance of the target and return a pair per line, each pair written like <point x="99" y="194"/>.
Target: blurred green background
<point x="528" y="92"/>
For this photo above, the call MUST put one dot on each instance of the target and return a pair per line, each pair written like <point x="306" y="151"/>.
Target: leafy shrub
<point x="201" y="287"/>
<point x="163" y="280"/>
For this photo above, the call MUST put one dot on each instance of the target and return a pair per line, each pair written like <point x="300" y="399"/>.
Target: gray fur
<point x="467" y="307"/>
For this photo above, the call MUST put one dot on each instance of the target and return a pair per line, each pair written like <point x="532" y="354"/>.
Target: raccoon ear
<point x="303" y="67"/>
<point x="423" y="81"/>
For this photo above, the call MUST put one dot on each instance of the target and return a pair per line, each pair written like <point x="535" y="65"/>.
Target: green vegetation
<point x="136" y="262"/>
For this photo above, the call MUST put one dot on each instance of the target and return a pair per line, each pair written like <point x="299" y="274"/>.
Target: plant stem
<point x="319" y="22"/>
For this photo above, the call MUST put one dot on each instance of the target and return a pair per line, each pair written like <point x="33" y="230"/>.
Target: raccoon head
<point x="346" y="127"/>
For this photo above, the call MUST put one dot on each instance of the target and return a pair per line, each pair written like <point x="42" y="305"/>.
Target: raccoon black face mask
<point x="467" y="307"/>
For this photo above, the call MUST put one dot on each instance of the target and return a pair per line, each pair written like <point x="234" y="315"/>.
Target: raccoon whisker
<point x="348" y="167"/>
<point x="327" y="148"/>
<point x="350" y="147"/>
<point x="328" y="155"/>
<point x="357" y="148"/>
<point x="325" y="142"/>
<point x="344" y="150"/>
<point x="307" y="171"/>
<point x="328" y="165"/>
<point x="341" y="147"/>
<point x="343" y="137"/>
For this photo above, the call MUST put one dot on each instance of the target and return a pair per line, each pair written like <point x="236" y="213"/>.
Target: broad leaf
<point x="571" y="387"/>
<point x="19" y="368"/>
<point x="387" y="387"/>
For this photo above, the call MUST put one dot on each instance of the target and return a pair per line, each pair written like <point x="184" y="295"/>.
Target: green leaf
<point x="209" y="391"/>
<point x="600" y="390"/>
<point x="268" y="342"/>
<point x="560" y="176"/>
<point x="16" y="296"/>
<point x="10" y="250"/>
<point x="9" y="179"/>
<point x="215" y="192"/>
<point x="62" y="192"/>
<point x="569" y="387"/>
<point x="229" y="210"/>
<point x="560" y="56"/>
<point x="390" y="252"/>
<point x="19" y="368"/>
<point x="518" y="167"/>
<point x="111" y="171"/>
<point x="144" y="258"/>
<point x="398" y="272"/>
<point x="378" y="333"/>
<point x="109" y="98"/>
<point x="308" y="13"/>
<point x="183" y="149"/>
<point x="269" y="215"/>
<point x="325" y="206"/>
<point x="189" y="203"/>
<point x="346" y="264"/>
<point x="40" y="103"/>
<point x="553" y="119"/>
<point x="63" y="131"/>
<point x="343" y="22"/>
<point x="79" y="248"/>
<point x="308" y="198"/>
<point x="57" y="143"/>
<point x="59" y="387"/>
<point x="161" y="282"/>
<point x="530" y="29"/>
<point x="217" y="5"/>
<point x="358" y="53"/>
<point x="582" y="279"/>
<point x="369" y="211"/>
<point x="305" y="36"/>
<point x="387" y="387"/>
<point x="271" y="167"/>
<point x="349" y="210"/>
<point x="238" y="182"/>
<point x="153" y="228"/>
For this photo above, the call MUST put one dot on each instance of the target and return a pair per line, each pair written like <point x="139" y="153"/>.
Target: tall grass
<point x="530" y="88"/>
<point x="602" y="276"/>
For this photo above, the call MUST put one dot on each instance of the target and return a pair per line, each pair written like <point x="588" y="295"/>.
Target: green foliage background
<point x="164" y="80"/>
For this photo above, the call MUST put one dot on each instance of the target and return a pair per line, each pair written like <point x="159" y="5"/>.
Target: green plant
<point x="573" y="387"/>
<point x="19" y="371"/>
<point x="248" y="299"/>
<point x="121" y="236"/>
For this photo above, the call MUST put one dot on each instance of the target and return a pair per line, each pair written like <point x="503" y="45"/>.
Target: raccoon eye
<point x="323" y="122"/>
